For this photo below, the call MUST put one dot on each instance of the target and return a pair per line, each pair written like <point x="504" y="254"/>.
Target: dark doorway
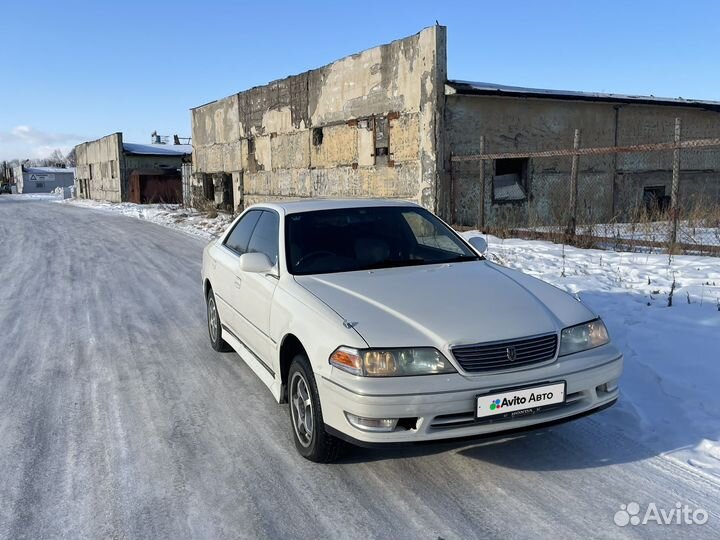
<point x="149" y="186"/>
<point x="228" y="199"/>
<point x="208" y="187"/>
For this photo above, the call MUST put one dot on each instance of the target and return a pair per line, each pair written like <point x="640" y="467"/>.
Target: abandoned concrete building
<point x="385" y="123"/>
<point x="109" y="169"/>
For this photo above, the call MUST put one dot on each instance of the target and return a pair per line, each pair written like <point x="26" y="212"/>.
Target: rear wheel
<point x="311" y="439"/>
<point x="214" y="325"/>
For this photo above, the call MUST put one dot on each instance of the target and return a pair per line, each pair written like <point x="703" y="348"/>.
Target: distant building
<point x="42" y="179"/>
<point x="385" y="122"/>
<point x="112" y="170"/>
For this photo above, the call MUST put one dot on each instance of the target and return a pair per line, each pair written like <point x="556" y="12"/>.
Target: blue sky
<point x="75" y="71"/>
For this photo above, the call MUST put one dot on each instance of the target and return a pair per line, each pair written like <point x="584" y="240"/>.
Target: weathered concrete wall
<point x="99" y="172"/>
<point x="316" y="134"/>
<point x="608" y="186"/>
<point x="699" y="169"/>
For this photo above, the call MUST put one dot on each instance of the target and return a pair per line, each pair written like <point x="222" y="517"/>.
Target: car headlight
<point x="391" y="362"/>
<point x="583" y="337"/>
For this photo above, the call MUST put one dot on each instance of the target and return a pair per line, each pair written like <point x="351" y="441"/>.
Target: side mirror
<point x="479" y="243"/>
<point x="257" y="263"/>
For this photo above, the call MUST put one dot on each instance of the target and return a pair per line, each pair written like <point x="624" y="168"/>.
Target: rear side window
<point x="240" y="236"/>
<point x="265" y="236"/>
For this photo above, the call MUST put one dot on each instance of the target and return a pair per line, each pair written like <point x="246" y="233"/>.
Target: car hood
<point x="445" y="304"/>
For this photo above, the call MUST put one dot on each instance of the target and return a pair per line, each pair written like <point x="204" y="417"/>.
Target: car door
<point x="227" y="258"/>
<point x="253" y="297"/>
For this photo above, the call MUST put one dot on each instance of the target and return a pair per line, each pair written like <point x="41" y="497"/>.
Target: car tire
<point x="214" y="324"/>
<point x="308" y="428"/>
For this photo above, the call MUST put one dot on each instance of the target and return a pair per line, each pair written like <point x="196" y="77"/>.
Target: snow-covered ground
<point x="170" y="215"/>
<point x="670" y="397"/>
<point x="672" y="354"/>
<point x="657" y="231"/>
<point x="650" y="231"/>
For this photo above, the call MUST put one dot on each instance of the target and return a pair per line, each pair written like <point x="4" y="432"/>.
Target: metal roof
<point x="49" y="170"/>
<point x="158" y="149"/>
<point x="492" y="89"/>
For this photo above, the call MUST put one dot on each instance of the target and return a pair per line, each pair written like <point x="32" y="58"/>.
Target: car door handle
<point x="238" y="282"/>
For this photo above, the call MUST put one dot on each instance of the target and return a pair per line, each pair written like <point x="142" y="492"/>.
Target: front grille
<point x="483" y="357"/>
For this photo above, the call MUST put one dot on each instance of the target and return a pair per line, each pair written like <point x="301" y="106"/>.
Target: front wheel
<point x="214" y="325"/>
<point x="311" y="439"/>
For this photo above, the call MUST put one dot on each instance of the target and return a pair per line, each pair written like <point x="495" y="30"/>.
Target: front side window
<point x="265" y="236"/>
<point x="351" y="239"/>
<point x="239" y="238"/>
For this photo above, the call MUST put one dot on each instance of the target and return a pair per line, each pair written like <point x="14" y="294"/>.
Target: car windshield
<point x="350" y="239"/>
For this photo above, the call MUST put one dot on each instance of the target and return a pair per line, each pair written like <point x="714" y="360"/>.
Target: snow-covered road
<point x="117" y="419"/>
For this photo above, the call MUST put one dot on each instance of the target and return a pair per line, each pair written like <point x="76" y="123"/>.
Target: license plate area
<point x="519" y="402"/>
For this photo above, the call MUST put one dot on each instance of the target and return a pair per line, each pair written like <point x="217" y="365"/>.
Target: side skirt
<point x="261" y="369"/>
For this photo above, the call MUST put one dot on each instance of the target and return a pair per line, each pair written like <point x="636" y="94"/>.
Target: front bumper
<point x="442" y="406"/>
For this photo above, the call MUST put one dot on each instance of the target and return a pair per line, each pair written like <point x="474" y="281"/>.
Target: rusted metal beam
<point x="604" y="150"/>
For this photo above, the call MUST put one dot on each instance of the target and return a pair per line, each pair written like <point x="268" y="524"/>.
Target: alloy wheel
<point x="302" y="410"/>
<point x="212" y="319"/>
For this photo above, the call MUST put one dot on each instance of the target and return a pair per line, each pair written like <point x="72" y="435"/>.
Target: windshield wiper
<point x="393" y="263"/>
<point x="460" y="258"/>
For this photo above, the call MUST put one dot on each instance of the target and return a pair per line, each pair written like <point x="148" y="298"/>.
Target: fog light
<point x="609" y="386"/>
<point x="371" y="424"/>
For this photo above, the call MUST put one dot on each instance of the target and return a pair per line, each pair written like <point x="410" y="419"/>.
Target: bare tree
<point x="70" y="159"/>
<point x="56" y="158"/>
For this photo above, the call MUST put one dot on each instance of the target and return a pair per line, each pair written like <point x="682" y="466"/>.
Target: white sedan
<point x="379" y="324"/>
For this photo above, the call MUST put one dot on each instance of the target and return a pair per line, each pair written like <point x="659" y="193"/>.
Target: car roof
<point x="310" y="205"/>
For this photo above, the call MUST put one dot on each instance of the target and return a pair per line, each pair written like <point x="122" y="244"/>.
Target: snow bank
<point x="174" y="216"/>
<point x="670" y="400"/>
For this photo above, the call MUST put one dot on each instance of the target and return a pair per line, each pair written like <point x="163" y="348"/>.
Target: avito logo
<point x="520" y="400"/>
<point x="682" y="514"/>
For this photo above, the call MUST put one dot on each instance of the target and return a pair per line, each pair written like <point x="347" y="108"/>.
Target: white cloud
<point x="26" y="141"/>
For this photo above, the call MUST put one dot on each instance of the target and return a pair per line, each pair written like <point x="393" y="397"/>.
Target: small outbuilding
<point x="42" y="179"/>
<point x="112" y="170"/>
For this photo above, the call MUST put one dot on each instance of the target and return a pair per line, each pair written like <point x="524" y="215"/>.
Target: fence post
<point x="674" y="208"/>
<point x="481" y="208"/>
<point x="573" y="185"/>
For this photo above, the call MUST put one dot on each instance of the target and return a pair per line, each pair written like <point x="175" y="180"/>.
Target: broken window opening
<point x="510" y="182"/>
<point x="317" y="136"/>
<point x="382" y="140"/>
<point x="655" y="199"/>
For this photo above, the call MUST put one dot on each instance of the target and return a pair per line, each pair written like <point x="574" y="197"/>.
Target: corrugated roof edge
<point x="490" y="89"/>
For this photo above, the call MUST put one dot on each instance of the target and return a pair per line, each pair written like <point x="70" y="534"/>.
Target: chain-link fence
<point x="660" y="196"/>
